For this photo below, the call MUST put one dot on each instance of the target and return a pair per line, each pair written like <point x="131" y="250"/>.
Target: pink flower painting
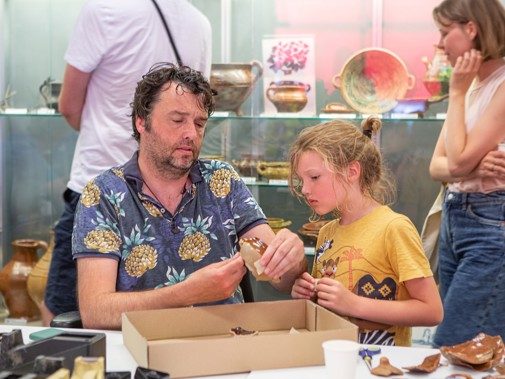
<point x="288" y="56"/>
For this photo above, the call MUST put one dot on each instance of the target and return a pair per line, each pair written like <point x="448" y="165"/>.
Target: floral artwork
<point x="289" y="74"/>
<point x="288" y="56"/>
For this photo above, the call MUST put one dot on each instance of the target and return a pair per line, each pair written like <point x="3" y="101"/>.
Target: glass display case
<point x="37" y="147"/>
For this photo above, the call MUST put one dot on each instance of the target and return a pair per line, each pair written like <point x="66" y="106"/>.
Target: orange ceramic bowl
<point x="372" y="81"/>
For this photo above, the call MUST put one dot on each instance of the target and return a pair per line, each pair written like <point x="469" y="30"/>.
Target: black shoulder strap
<point x="177" y="56"/>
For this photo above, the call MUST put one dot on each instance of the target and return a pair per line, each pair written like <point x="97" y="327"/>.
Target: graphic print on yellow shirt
<point x="372" y="257"/>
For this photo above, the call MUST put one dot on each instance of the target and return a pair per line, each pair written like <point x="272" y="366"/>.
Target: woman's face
<point x="320" y="186"/>
<point x="455" y="39"/>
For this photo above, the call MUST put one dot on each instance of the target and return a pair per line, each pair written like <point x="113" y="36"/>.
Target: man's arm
<point x="73" y="95"/>
<point x="284" y="257"/>
<point x="101" y="306"/>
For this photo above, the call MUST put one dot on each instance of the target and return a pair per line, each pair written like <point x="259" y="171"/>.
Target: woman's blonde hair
<point x="487" y="15"/>
<point x="339" y="143"/>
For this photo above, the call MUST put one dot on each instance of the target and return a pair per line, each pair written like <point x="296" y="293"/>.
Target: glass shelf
<point x="316" y="119"/>
<point x="272" y="118"/>
<point x="34" y="115"/>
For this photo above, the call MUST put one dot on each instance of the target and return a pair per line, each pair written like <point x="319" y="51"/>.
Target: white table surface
<point x="119" y="359"/>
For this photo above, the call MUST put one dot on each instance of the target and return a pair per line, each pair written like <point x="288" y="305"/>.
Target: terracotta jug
<point x="14" y="277"/>
<point x="37" y="279"/>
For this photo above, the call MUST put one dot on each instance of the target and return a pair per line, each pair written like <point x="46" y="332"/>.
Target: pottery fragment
<point x="482" y="353"/>
<point x="430" y="364"/>
<point x="385" y="368"/>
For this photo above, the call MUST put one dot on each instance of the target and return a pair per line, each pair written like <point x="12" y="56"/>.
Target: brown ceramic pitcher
<point x="14" y="277"/>
<point x="37" y="280"/>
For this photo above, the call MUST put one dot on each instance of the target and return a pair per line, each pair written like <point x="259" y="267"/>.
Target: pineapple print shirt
<point x="373" y="257"/>
<point x="154" y="248"/>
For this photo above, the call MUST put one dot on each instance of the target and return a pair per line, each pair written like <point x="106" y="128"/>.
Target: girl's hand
<point x="304" y="287"/>
<point x="464" y="71"/>
<point x="332" y="295"/>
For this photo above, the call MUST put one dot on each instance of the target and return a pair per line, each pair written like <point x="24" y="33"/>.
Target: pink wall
<point x="342" y="27"/>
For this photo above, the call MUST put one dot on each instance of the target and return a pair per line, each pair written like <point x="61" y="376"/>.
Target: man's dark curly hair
<point x="148" y="90"/>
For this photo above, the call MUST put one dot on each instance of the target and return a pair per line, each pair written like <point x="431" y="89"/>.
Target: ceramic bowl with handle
<point x="373" y="80"/>
<point x="234" y="82"/>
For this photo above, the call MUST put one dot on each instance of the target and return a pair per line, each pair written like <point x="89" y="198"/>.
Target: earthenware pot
<point x="234" y="82"/>
<point x="288" y="96"/>
<point x="37" y="279"/>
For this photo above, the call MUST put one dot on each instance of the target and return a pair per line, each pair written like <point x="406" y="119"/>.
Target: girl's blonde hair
<point x="339" y="143"/>
<point x="487" y="15"/>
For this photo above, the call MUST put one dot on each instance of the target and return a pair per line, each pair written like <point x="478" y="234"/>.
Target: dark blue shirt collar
<point x="132" y="172"/>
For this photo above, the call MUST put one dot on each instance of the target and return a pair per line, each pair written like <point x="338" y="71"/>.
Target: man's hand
<point x="284" y="253"/>
<point x="284" y="258"/>
<point x="101" y="305"/>
<point x="216" y="281"/>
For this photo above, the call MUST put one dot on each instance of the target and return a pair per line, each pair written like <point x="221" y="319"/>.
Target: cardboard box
<point x="197" y="341"/>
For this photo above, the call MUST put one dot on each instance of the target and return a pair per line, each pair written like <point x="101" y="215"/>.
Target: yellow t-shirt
<point x="373" y="257"/>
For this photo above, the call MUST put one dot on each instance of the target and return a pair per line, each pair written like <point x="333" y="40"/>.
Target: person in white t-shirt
<point x="114" y="43"/>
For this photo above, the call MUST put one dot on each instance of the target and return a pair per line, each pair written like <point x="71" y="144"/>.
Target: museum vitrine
<point x="295" y="51"/>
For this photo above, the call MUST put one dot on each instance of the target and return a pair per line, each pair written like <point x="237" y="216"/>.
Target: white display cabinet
<point x="37" y="149"/>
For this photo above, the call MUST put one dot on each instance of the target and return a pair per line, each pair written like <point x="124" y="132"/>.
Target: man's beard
<point x="165" y="161"/>
<point x="167" y="164"/>
<point x="176" y="167"/>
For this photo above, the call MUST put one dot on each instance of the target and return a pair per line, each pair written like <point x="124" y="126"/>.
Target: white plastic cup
<point x="340" y="359"/>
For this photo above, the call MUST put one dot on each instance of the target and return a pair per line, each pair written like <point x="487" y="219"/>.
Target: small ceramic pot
<point x="288" y="96"/>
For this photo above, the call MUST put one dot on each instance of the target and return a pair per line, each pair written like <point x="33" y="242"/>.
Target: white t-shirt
<point x="119" y="41"/>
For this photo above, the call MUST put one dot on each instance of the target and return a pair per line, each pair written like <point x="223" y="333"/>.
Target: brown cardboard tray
<point x="196" y="341"/>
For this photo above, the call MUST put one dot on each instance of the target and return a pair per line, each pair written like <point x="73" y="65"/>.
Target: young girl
<point x="369" y="263"/>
